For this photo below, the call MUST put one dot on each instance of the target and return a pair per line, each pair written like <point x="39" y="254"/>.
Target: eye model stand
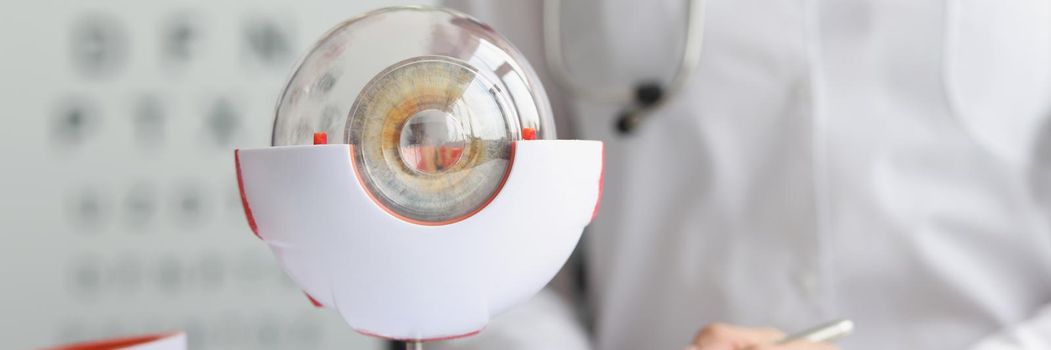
<point x="414" y="345"/>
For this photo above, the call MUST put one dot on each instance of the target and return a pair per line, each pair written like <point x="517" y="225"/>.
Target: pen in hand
<point x="826" y="332"/>
<point x="730" y="337"/>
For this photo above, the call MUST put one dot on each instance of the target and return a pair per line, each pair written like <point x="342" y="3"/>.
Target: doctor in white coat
<point x="886" y="161"/>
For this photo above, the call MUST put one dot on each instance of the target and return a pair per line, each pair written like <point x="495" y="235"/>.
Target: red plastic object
<point x="528" y="134"/>
<point x="320" y="138"/>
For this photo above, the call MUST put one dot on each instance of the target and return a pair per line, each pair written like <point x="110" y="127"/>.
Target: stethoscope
<point x="639" y="100"/>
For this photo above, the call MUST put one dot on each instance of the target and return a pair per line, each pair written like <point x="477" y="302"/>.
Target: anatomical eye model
<point x="414" y="184"/>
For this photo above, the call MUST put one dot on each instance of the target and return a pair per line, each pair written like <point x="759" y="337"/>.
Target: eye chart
<point x="119" y="210"/>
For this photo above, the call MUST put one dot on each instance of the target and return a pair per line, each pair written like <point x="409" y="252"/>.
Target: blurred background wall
<point x="119" y="209"/>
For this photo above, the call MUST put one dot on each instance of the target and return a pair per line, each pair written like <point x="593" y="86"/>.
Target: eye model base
<point x="394" y="279"/>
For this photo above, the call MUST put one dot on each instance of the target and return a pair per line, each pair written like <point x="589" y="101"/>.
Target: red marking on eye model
<point x="320" y="138"/>
<point x="601" y="183"/>
<point x="528" y="134"/>
<point x="451" y="337"/>
<point x="244" y="198"/>
<point x="313" y="301"/>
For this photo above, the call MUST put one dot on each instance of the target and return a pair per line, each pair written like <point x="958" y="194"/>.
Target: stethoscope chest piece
<point x="647" y="95"/>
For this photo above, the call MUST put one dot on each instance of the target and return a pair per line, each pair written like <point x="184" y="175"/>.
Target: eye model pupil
<point x="432" y="142"/>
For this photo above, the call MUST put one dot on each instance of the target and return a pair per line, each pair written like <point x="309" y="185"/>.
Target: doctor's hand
<point x="719" y="336"/>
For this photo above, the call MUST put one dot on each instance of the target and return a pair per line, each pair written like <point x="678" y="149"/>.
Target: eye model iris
<point x="432" y="139"/>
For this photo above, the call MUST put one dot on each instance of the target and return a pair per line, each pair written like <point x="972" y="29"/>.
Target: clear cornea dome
<point x="430" y="101"/>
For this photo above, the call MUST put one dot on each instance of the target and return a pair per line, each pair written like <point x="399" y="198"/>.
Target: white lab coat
<point x="887" y="161"/>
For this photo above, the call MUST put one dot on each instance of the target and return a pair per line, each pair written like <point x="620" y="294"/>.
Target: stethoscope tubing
<point x="627" y="96"/>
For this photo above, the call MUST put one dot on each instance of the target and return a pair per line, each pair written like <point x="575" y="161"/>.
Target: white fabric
<point x="885" y="161"/>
